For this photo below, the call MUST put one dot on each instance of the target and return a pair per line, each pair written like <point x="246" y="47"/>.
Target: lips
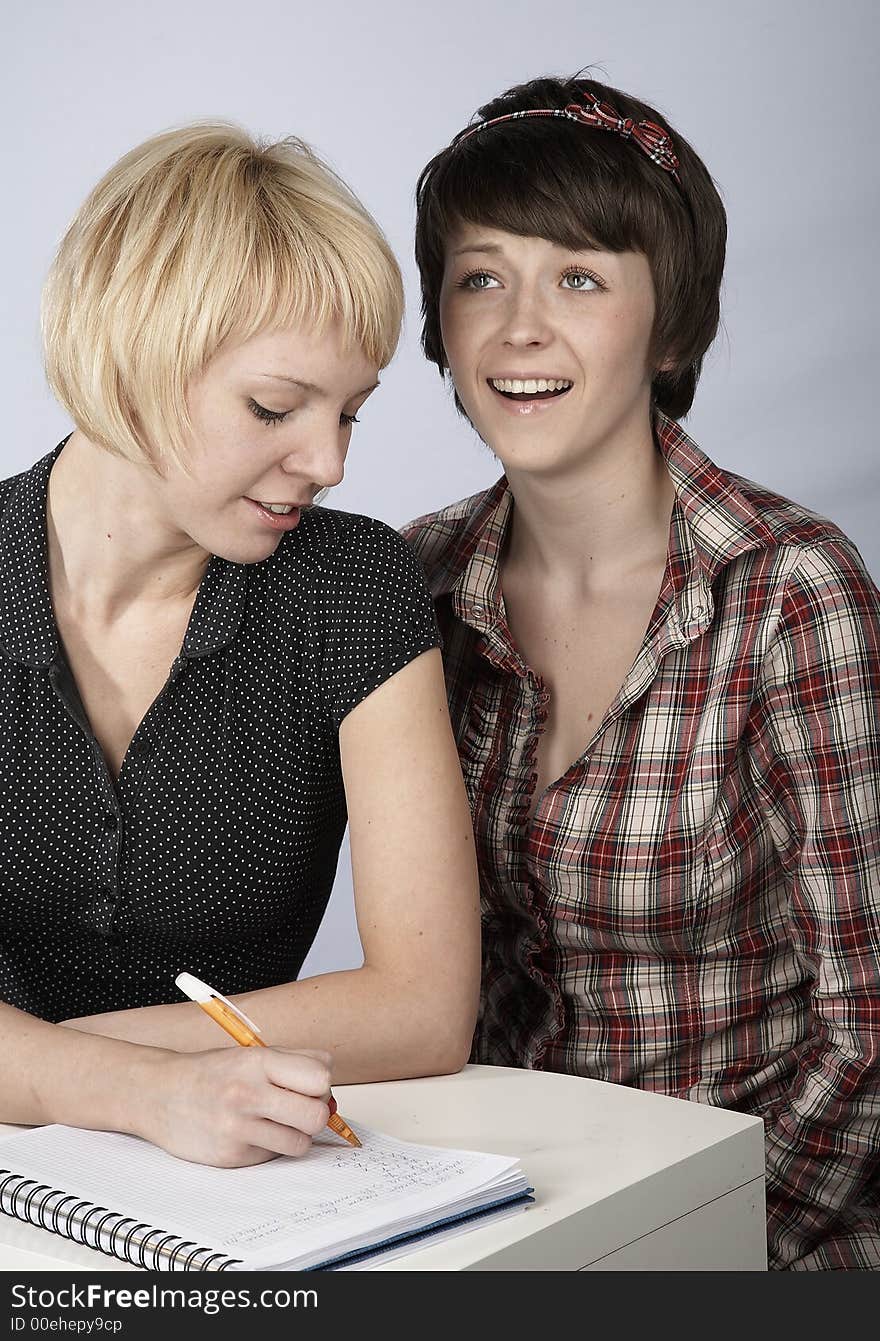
<point x="525" y="395"/>
<point x="532" y="395"/>
<point x="277" y="521"/>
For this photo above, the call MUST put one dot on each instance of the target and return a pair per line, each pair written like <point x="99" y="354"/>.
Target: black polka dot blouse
<point x="215" y="850"/>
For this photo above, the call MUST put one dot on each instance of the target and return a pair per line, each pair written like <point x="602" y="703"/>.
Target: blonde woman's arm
<point x="410" y="1009"/>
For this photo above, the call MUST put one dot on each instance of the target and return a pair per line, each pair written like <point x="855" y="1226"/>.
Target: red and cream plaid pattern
<point x="695" y="908"/>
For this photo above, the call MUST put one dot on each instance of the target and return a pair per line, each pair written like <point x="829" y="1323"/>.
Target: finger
<point x="277" y="1138"/>
<point x="297" y="1071"/>
<point x="294" y="1110"/>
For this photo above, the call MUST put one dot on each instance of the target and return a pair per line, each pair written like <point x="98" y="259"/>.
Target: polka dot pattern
<point x="216" y="848"/>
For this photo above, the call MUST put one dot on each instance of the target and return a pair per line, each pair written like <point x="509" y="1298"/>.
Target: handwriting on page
<point x="285" y="1210"/>
<point x="395" y="1170"/>
<point x="351" y="1180"/>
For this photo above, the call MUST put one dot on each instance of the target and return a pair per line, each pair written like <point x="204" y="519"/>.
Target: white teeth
<point x="282" y="508"/>
<point x="528" y="387"/>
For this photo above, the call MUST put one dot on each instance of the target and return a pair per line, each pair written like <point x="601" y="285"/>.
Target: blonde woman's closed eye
<point x="267" y="416"/>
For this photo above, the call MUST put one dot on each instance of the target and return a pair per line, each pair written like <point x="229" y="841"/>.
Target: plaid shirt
<point x="695" y="907"/>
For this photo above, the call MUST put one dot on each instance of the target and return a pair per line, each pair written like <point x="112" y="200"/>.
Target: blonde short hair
<point x="198" y="236"/>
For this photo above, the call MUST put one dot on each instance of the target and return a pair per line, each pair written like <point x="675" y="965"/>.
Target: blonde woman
<point x="202" y="674"/>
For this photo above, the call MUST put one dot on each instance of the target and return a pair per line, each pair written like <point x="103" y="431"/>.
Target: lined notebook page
<point x="266" y="1214"/>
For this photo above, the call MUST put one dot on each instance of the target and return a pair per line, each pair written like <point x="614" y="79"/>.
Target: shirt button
<point x="111" y="823"/>
<point x="111" y="895"/>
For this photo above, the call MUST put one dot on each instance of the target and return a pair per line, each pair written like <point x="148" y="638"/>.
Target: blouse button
<point x="111" y="823"/>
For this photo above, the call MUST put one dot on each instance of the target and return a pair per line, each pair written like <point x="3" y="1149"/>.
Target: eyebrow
<point x="493" y="248"/>
<point x="311" y="386"/>
<point x="477" y="246"/>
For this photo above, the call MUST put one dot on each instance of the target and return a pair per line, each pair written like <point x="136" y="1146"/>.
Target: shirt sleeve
<point x="379" y="615"/>
<point x="819" y="746"/>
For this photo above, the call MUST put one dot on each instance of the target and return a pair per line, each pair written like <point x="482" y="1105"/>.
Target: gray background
<point x="779" y="98"/>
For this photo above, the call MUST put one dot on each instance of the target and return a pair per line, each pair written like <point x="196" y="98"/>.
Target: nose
<point x="321" y="460"/>
<point x="525" y="319"/>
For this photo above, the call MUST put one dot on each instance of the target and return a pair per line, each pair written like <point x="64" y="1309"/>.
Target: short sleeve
<point x="374" y="613"/>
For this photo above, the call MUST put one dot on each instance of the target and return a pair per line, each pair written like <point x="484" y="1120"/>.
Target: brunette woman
<point x="663" y="678"/>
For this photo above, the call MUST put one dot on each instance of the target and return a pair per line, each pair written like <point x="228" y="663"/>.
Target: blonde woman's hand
<point x="231" y="1106"/>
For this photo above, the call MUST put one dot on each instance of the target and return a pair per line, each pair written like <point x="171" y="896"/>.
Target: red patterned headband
<point x="651" y="138"/>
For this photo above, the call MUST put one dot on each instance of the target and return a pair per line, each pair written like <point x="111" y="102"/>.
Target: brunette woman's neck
<point x="584" y="528"/>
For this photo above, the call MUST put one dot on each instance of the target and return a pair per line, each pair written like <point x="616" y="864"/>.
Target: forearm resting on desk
<point x="51" y="1076"/>
<point x="373" y="1029"/>
<point x="211" y="1107"/>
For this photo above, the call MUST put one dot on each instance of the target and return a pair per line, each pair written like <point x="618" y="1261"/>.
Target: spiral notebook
<point x="334" y="1208"/>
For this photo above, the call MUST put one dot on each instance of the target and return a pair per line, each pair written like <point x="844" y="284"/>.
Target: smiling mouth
<point x="280" y="509"/>
<point x="531" y="388"/>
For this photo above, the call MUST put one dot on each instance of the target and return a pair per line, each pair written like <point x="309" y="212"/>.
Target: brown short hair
<point x="198" y="236"/>
<point x="548" y="177"/>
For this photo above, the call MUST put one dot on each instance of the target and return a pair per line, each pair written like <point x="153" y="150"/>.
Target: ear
<point x="661" y="359"/>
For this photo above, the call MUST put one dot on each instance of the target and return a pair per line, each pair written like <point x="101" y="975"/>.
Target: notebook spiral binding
<point x="96" y="1227"/>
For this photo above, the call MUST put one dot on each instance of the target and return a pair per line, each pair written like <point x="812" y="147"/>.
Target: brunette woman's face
<point x="549" y="349"/>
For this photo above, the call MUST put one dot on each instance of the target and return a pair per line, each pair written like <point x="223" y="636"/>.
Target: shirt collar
<point x="722" y="522"/>
<point x="28" y="632"/>
<point x="27" y="622"/>
<point x="477" y="597"/>
<point x="219" y="607"/>
<point x="712" y="523"/>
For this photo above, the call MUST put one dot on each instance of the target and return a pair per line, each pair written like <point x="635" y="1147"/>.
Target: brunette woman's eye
<point x="477" y="279"/>
<point x="267" y="416"/>
<point x="582" y="280"/>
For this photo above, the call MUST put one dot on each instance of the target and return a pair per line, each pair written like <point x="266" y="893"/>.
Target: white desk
<point x="624" y="1180"/>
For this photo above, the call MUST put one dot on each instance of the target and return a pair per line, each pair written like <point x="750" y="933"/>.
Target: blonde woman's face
<point x="272" y="421"/>
<point x="519" y="313"/>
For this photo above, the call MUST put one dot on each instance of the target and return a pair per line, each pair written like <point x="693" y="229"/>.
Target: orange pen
<point x="245" y="1032"/>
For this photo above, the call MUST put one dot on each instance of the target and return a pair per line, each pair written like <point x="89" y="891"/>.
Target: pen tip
<point x="341" y="1127"/>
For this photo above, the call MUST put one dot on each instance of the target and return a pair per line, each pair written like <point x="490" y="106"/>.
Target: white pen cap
<point x="201" y="993"/>
<point x="195" y="990"/>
